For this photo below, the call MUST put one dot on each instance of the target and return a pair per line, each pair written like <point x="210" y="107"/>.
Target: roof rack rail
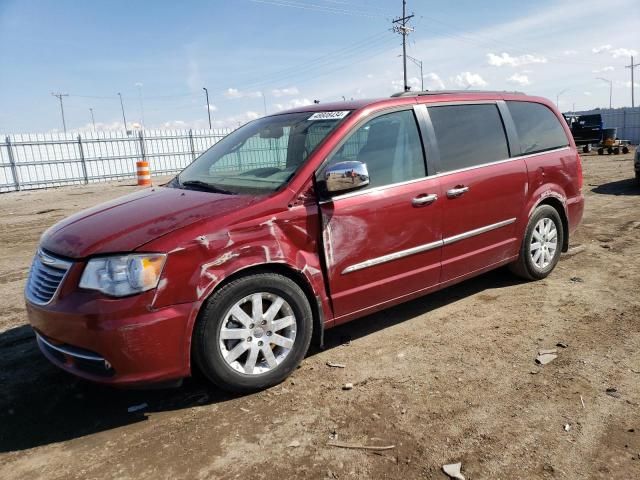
<point x="448" y="92"/>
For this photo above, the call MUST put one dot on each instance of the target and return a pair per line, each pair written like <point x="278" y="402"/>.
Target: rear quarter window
<point x="468" y="135"/>
<point x="538" y="127"/>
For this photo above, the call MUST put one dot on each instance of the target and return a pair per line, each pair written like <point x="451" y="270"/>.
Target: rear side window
<point x="538" y="127"/>
<point x="468" y="135"/>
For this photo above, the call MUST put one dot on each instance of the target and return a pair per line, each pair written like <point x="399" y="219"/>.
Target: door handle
<point x="456" y="192"/>
<point x="424" y="200"/>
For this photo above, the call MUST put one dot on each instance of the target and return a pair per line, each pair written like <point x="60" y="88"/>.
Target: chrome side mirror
<point x="345" y="176"/>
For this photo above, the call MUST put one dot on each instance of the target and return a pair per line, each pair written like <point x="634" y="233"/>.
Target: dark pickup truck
<point x="586" y="129"/>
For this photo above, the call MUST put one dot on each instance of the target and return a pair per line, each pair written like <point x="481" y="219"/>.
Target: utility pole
<point x="610" y="82"/>
<point x="93" y="120"/>
<point x="59" y="97"/>
<point x="633" y="87"/>
<point x="403" y="30"/>
<point x="206" y="92"/>
<point x="124" y="119"/>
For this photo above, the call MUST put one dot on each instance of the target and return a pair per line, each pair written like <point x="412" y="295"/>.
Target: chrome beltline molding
<point x="440" y="175"/>
<point x="426" y="247"/>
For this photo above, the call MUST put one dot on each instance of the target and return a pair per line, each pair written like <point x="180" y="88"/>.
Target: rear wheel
<point x="253" y="332"/>
<point x="601" y="151"/>
<point x="625" y="149"/>
<point x="586" y="149"/>
<point x="541" y="246"/>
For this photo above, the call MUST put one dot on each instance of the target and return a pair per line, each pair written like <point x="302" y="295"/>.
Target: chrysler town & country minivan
<point x="298" y="222"/>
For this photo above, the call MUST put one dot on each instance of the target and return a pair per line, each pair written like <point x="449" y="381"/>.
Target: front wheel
<point x="253" y="332"/>
<point x="541" y="246"/>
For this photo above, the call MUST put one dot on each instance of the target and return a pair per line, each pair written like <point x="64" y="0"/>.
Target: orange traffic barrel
<point x="144" y="173"/>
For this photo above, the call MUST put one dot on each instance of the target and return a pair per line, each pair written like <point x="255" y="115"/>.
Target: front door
<point x="383" y="243"/>
<point x="483" y="188"/>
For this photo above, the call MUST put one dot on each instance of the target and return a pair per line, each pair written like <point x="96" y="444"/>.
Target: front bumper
<point x="115" y="341"/>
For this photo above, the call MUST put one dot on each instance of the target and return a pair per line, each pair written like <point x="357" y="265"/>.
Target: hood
<point x="126" y="223"/>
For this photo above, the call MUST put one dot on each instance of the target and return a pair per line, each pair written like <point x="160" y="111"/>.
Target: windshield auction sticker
<point x="329" y="115"/>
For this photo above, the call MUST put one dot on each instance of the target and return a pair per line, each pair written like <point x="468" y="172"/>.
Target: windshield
<point x="261" y="156"/>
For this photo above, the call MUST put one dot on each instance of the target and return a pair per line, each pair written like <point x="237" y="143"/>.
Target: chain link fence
<point x="30" y="161"/>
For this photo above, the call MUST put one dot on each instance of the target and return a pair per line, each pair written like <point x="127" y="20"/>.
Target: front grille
<point x="45" y="277"/>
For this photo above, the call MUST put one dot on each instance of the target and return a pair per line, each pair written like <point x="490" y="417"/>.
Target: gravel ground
<point x="446" y="378"/>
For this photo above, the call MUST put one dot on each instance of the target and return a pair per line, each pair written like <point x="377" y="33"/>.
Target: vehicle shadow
<point x="628" y="186"/>
<point x="40" y="404"/>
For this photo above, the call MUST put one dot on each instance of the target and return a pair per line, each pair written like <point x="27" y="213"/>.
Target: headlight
<point x="122" y="275"/>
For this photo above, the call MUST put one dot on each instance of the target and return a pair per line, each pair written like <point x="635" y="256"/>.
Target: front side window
<point x="261" y="156"/>
<point x="390" y="146"/>
<point x="468" y="135"/>
<point x="538" y="127"/>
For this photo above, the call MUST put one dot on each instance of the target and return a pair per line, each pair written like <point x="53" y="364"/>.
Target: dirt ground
<point x="447" y="378"/>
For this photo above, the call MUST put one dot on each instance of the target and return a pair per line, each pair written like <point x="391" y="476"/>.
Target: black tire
<point x="586" y="149"/>
<point x="206" y="336"/>
<point x="524" y="266"/>
<point x="625" y="150"/>
<point x="601" y="151"/>
<point x="616" y="151"/>
<point x="610" y="150"/>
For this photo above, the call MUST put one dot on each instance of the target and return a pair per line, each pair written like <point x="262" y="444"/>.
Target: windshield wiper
<point x="205" y="186"/>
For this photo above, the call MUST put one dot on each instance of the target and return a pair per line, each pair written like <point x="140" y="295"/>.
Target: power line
<point x="318" y="8"/>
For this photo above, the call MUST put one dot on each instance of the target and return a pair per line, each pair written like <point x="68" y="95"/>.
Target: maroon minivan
<point x="301" y="221"/>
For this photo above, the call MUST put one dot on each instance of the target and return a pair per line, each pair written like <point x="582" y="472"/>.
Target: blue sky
<point x="287" y="53"/>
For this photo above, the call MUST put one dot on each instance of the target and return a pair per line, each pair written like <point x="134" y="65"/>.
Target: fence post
<point x="193" y="150"/>
<point x="83" y="161"/>
<point x="14" y="169"/>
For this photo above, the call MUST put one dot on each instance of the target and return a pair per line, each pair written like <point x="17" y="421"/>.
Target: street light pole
<point x="139" y="85"/>
<point x="124" y="119"/>
<point x="558" y="97"/>
<point x="206" y="92"/>
<point x="419" y="64"/>
<point x="610" y="82"/>
<point x="93" y="120"/>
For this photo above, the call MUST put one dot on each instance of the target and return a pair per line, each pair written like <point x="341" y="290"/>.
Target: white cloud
<point x="605" y="69"/>
<point x="627" y="84"/>
<point x="468" y="79"/>
<point x="414" y="83"/>
<point x="295" y="103"/>
<point x="623" y="52"/>
<point x="433" y="81"/>
<point x="234" y="93"/>
<point x="369" y="75"/>
<point x="212" y="107"/>
<point x="519" y="79"/>
<point x="601" y="49"/>
<point x="587" y="94"/>
<point x="506" y="59"/>
<point x="285" y="92"/>
<point x="300" y="102"/>
<point x="569" y="53"/>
